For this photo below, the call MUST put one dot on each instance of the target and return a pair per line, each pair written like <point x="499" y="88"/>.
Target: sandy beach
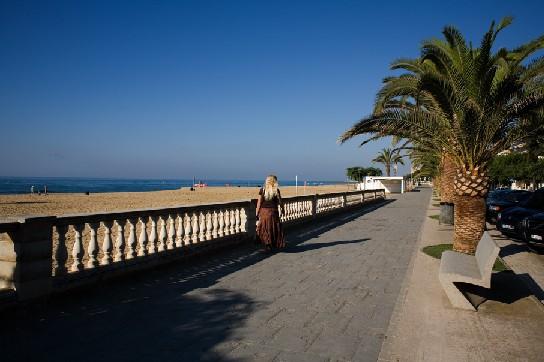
<point x="61" y="204"/>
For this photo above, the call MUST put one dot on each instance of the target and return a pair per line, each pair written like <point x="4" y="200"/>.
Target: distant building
<point x="392" y="184"/>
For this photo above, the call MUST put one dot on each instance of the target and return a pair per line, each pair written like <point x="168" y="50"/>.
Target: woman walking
<point x="269" y="229"/>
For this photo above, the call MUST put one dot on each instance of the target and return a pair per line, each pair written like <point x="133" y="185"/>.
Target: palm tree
<point x="389" y="157"/>
<point x="466" y="103"/>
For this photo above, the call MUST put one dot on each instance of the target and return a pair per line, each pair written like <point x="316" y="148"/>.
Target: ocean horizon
<point x="23" y="185"/>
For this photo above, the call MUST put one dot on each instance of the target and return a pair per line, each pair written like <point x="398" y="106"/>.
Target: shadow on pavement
<point x="506" y="287"/>
<point x="315" y="246"/>
<point x="512" y="249"/>
<point x="165" y="314"/>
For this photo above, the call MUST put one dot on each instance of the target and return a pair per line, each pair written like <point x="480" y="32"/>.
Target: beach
<point x="79" y="203"/>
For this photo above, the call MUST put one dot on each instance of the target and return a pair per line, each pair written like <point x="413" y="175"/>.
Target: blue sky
<point x="216" y="89"/>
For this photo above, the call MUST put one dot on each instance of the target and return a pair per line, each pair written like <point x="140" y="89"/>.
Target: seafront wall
<point x="40" y="256"/>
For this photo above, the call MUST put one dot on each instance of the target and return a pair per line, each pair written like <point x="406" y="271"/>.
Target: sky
<point x="212" y="89"/>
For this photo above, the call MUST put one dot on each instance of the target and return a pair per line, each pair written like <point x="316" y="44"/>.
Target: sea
<point x="23" y="185"/>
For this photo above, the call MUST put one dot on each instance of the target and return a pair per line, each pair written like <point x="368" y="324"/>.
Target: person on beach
<point x="269" y="204"/>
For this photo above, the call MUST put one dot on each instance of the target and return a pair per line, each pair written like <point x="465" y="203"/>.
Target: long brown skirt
<point x="269" y="229"/>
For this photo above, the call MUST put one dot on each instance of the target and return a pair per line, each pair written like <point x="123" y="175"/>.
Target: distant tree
<point x="358" y="173"/>
<point x="516" y="167"/>
<point x="388" y="157"/>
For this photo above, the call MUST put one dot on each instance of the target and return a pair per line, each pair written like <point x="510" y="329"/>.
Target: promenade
<point x="330" y="295"/>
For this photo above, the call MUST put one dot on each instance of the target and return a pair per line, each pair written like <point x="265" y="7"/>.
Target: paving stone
<point x="327" y="298"/>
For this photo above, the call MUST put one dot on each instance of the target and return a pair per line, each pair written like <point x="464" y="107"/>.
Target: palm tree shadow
<point x="307" y="247"/>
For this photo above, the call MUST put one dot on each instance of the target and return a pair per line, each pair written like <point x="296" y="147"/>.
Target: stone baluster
<point x="237" y="220"/>
<point x="142" y="240"/>
<point x="179" y="231"/>
<point x="208" y="226"/>
<point x="221" y="231"/>
<point x="171" y="232"/>
<point x="195" y="228"/>
<point x="152" y="247"/>
<point x="202" y="229"/>
<point x="77" y="249"/>
<point x="187" y="238"/>
<point x="119" y="253"/>
<point x="215" y="224"/>
<point x="92" y="248"/>
<point x="227" y="222"/>
<point x="162" y="234"/>
<point x="106" y="244"/>
<point x="243" y="220"/>
<point x="232" y="221"/>
<point x="131" y="242"/>
<point x="61" y="254"/>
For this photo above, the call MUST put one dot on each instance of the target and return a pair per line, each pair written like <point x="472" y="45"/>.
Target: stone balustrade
<point x="43" y="255"/>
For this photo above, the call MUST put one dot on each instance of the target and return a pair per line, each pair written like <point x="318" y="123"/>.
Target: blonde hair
<point x="270" y="187"/>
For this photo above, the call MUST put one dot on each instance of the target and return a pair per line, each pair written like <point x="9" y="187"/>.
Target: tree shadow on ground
<point x="512" y="249"/>
<point x="516" y="248"/>
<point x="506" y="287"/>
<point x="23" y="202"/>
<point x="170" y="313"/>
<point x="314" y="246"/>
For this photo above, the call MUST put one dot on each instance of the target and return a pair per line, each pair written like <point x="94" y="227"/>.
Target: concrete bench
<point x="461" y="268"/>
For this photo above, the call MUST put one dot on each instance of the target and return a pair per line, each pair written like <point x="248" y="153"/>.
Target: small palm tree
<point x="388" y="158"/>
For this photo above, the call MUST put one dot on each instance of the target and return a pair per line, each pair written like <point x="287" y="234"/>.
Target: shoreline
<point x="58" y="204"/>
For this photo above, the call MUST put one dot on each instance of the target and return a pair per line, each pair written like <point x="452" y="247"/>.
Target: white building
<point x="393" y="184"/>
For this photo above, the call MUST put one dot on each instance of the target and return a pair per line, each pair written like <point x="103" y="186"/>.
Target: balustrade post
<point x="221" y="232"/>
<point x="162" y="234"/>
<point x="92" y="248"/>
<point x="77" y="249"/>
<point x="119" y="254"/>
<point x="209" y="226"/>
<point x="226" y="215"/>
<point x="179" y="231"/>
<point x="25" y="261"/>
<point x="195" y="228"/>
<point x="142" y="240"/>
<point x="152" y="247"/>
<point x="344" y="200"/>
<point x="131" y="253"/>
<point x="243" y="220"/>
<point x="187" y="238"/>
<point x="61" y="254"/>
<point x="237" y="220"/>
<point x="171" y="232"/>
<point x="232" y="221"/>
<point x="215" y="224"/>
<point x="202" y="225"/>
<point x="106" y="244"/>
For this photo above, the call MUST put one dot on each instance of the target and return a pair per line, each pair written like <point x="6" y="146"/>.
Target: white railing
<point x="41" y="255"/>
<point x="89" y="241"/>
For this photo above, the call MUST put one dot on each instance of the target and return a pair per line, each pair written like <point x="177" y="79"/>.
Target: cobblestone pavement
<point x="328" y="297"/>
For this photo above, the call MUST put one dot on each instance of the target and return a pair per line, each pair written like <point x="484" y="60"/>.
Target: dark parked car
<point x="533" y="228"/>
<point x="510" y="221"/>
<point x="502" y="199"/>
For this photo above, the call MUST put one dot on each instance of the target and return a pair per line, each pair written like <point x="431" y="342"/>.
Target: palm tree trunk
<point x="447" y="193"/>
<point x="387" y="169"/>
<point x="470" y="189"/>
<point x="469" y="223"/>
